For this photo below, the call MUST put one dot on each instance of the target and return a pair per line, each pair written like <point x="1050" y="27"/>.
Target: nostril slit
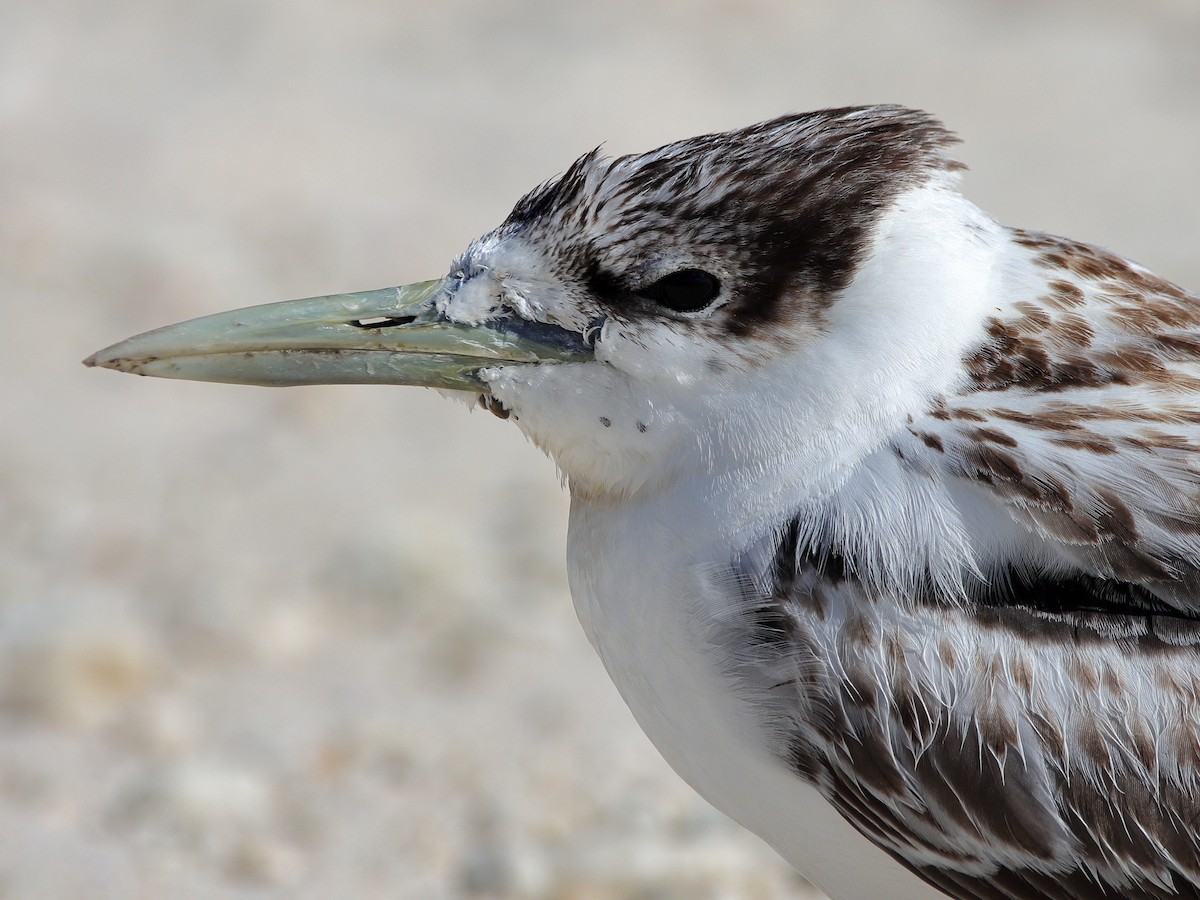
<point x="382" y="321"/>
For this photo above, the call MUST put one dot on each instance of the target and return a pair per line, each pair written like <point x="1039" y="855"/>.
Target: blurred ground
<point x="318" y="643"/>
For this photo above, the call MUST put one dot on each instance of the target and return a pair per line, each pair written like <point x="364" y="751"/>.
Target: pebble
<point x="81" y="676"/>
<point x="215" y="794"/>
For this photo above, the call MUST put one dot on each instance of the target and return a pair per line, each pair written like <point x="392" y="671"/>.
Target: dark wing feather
<point x="993" y="750"/>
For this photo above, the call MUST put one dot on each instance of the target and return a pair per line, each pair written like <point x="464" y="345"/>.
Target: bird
<point x="885" y="517"/>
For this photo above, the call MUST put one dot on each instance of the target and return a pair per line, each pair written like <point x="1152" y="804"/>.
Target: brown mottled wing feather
<point x="993" y="752"/>
<point x="1008" y="884"/>
<point x="1081" y="413"/>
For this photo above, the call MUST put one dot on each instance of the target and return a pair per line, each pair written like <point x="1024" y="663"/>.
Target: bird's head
<point x="637" y="314"/>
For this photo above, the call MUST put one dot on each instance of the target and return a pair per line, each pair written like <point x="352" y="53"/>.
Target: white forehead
<point x="503" y="273"/>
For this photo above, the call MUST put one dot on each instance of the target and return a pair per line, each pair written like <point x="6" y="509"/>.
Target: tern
<point x="885" y="518"/>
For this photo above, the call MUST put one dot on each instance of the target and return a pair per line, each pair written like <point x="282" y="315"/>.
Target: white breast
<point x="646" y="593"/>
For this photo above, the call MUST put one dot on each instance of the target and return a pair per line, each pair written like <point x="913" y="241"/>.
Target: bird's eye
<point x="688" y="290"/>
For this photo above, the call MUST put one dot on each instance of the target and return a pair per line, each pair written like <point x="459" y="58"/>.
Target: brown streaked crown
<point x="782" y="208"/>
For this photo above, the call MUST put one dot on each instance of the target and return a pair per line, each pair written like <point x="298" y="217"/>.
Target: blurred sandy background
<point x="317" y="642"/>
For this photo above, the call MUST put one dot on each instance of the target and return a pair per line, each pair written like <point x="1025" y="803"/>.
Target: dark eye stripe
<point x="688" y="290"/>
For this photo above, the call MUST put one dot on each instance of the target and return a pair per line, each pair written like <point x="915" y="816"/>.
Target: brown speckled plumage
<point x="1038" y="734"/>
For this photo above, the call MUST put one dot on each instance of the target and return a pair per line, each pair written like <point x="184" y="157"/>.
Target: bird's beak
<point x="390" y="336"/>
